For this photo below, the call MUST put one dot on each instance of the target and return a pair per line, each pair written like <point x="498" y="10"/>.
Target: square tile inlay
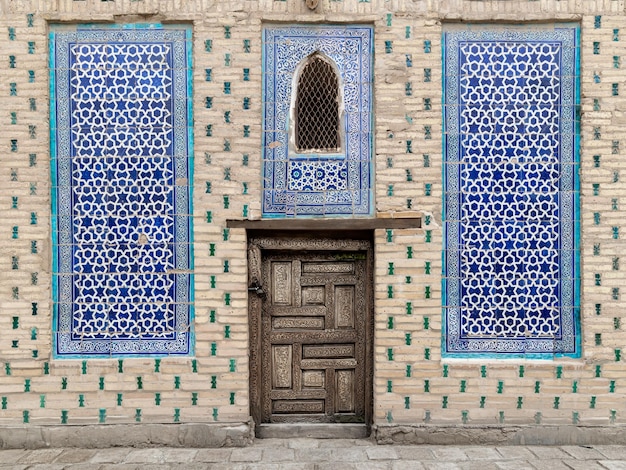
<point x="324" y="183"/>
<point x="511" y="209"/>
<point x="121" y="173"/>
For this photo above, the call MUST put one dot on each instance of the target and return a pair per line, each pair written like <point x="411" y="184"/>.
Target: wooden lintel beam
<point x="326" y="224"/>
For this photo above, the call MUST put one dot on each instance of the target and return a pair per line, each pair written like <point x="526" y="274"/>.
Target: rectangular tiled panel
<point x="511" y="190"/>
<point x="323" y="184"/>
<point x="121" y="140"/>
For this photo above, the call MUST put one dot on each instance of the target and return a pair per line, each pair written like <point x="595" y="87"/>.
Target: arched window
<point x="317" y="107"/>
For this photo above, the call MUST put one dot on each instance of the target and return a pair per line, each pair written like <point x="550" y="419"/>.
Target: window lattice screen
<point x="317" y="107"/>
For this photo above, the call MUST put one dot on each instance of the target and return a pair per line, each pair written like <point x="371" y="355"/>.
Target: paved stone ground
<point x="312" y="454"/>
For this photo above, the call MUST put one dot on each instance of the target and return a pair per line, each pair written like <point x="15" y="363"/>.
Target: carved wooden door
<point x="313" y="337"/>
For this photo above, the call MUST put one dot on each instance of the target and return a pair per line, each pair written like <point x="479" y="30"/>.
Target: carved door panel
<point x="313" y="337"/>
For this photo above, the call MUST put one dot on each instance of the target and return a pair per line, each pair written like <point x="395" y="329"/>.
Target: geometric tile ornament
<point x="121" y="171"/>
<point x="317" y="184"/>
<point x="511" y="204"/>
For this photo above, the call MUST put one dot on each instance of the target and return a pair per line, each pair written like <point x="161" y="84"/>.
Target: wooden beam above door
<point x="326" y="224"/>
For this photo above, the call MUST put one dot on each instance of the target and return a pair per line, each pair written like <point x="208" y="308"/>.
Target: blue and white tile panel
<point x="511" y="208"/>
<point x="121" y="172"/>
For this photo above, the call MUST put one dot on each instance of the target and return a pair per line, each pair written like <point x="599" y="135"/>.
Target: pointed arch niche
<point x="317" y="110"/>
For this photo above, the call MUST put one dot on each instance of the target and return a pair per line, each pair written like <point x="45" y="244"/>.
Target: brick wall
<point x="412" y="382"/>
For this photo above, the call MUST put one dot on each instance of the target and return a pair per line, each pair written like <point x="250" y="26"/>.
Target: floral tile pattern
<point x="121" y="140"/>
<point x="511" y="281"/>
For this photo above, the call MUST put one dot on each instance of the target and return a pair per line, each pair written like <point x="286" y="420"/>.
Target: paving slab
<point x="292" y="466"/>
<point x="84" y="466"/>
<point x="129" y="466"/>
<point x="146" y="456"/>
<point x="273" y="466"/>
<point x="334" y="466"/>
<point x="582" y="452"/>
<point x="246" y="454"/>
<point x="303" y="443"/>
<point x="613" y="464"/>
<point x="477" y="465"/>
<point x="583" y="465"/>
<point x="515" y="453"/>
<point x="271" y="442"/>
<point x="313" y="455"/>
<point x="114" y="455"/>
<point x="47" y="466"/>
<point x="349" y="454"/>
<point x="381" y="453"/>
<point x="179" y="455"/>
<point x="232" y="466"/>
<point x="514" y="465"/>
<point x="449" y="453"/>
<point x="374" y="465"/>
<point x="420" y="453"/>
<point x="191" y="466"/>
<point x="40" y="456"/>
<point x="408" y="465"/>
<point x="548" y="452"/>
<point x="441" y="466"/>
<point x="75" y="456"/>
<point x="610" y="452"/>
<point x="481" y="453"/>
<point x="11" y="455"/>
<point x="278" y="454"/>
<point x="345" y="442"/>
<point x="213" y="455"/>
<point x="551" y="464"/>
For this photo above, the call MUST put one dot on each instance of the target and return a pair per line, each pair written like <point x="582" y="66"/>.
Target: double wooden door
<point x="313" y="337"/>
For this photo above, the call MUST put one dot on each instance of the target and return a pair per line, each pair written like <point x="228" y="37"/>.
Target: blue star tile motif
<point x="121" y="190"/>
<point x="511" y="265"/>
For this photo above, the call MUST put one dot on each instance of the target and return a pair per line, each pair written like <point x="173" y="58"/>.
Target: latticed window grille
<point x="317" y="107"/>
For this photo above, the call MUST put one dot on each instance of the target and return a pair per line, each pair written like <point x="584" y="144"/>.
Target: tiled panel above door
<point x="325" y="183"/>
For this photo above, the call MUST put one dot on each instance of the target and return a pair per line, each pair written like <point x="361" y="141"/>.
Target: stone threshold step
<point x="312" y="430"/>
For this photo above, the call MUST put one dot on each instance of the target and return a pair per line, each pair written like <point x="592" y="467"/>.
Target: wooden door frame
<point x="295" y="241"/>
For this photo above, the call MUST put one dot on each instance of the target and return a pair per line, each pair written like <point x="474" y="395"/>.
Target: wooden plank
<point x="313" y="378"/>
<point x="298" y="406"/>
<point x="298" y="323"/>
<point x="327" y="267"/>
<point x="281" y="283"/>
<point x="306" y="394"/>
<point x="344" y="389"/>
<point x="327" y="351"/>
<point x="322" y="337"/>
<point x="345" y="363"/>
<point x="326" y="224"/>
<point x="281" y="366"/>
<point x="306" y="311"/>
<point x="344" y="307"/>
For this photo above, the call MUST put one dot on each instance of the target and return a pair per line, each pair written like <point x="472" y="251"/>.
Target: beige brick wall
<point x="416" y="386"/>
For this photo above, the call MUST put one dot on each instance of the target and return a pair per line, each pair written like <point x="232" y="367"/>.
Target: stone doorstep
<point x="310" y="430"/>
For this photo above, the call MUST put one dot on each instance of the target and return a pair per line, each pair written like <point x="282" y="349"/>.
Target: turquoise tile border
<point x="474" y="300"/>
<point x="76" y="310"/>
